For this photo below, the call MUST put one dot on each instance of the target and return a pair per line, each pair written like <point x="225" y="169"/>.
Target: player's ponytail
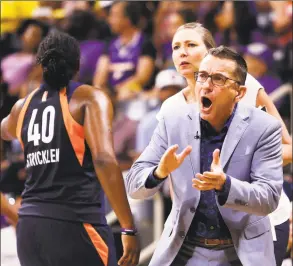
<point x="59" y="56"/>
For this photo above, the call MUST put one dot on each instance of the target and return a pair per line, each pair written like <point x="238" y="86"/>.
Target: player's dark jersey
<point x="61" y="182"/>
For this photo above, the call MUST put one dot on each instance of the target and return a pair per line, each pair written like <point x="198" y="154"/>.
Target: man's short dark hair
<point x="226" y="53"/>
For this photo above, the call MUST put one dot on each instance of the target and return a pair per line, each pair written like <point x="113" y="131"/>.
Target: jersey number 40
<point x="33" y="133"/>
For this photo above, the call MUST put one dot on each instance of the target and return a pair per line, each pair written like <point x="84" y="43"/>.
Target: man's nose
<point x="207" y="86"/>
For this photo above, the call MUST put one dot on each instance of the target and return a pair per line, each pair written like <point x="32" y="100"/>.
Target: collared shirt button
<point x="192" y="210"/>
<point x="182" y="234"/>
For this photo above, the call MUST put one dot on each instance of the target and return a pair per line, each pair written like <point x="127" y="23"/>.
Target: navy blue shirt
<point x="207" y="221"/>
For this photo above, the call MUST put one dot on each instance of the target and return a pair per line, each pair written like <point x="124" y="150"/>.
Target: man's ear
<point x="240" y="93"/>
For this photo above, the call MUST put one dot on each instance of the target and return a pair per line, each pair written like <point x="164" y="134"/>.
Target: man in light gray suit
<point x="226" y="177"/>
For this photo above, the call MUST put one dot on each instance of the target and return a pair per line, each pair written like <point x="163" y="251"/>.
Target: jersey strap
<point x="75" y="131"/>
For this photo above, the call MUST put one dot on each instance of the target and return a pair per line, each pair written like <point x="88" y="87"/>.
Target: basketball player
<point x="66" y="133"/>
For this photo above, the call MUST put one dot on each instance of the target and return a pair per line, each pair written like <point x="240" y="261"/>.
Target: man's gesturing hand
<point x="171" y="161"/>
<point x="211" y="180"/>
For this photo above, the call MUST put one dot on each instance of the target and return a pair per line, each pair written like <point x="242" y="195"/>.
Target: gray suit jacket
<point x="251" y="155"/>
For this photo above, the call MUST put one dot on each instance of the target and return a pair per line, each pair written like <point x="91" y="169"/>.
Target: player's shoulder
<point x="90" y="94"/>
<point x="18" y="106"/>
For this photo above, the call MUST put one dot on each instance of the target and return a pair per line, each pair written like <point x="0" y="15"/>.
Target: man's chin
<point x="205" y="116"/>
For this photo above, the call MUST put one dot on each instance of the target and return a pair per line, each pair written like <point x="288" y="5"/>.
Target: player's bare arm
<point x="263" y="99"/>
<point x="9" y="123"/>
<point x="98" y="116"/>
<point x="93" y="108"/>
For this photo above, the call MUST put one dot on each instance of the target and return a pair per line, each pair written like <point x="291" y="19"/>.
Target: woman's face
<point x="174" y="21"/>
<point x="31" y="38"/>
<point x="188" y="51"/>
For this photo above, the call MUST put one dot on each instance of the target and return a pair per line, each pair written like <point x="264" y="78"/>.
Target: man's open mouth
<point x="206" y="102"/>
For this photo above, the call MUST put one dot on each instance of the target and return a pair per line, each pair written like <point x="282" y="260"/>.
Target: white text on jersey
<point x="42" y="157"/>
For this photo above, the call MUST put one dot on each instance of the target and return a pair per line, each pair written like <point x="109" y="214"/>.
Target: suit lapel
<point x="193" y="136"/>
<point x="237" y="127"/>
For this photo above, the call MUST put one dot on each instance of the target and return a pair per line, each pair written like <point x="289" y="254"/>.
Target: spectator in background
<point x="124" y="136"/>
<point x="282" y="23"/>
<point x="163" y="11"/>
<point x="236" y="21"/>
<point x="71" y="6"/>
<point x="17" y="66"/>
<point x="104" y="9"/>
<point x="147" y="21"/>
<point x="178" y="18"/>
<point x="84" y="27"/>
<point x="264" y="21"/>
<point x="282" y="18"/>
<point x="168" y="82"/>
<point x="6" y="100"/>
<point x="100" y="29"/>
<point x="259" y="59"/>
<point x="9" y="43"/>
<point x="128" y="63"/>
<point x="174" y="20"/>
<point x="207" y="12"/>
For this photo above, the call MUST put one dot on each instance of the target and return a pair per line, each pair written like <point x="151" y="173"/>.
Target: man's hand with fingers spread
<point x="215" y="179"/>
<point x="171" y="161"/>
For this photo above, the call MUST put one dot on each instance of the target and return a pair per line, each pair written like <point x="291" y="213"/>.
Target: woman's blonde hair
<point x="205" y="33"/>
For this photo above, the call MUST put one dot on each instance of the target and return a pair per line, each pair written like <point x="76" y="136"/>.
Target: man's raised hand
<point x="215" y="179"/>
<point x="171" y="160"/>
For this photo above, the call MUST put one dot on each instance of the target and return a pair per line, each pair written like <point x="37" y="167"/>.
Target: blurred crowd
<point x="126" y="50"/>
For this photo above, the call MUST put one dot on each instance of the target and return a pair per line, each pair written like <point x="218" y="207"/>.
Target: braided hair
<point x="59" y="55"/>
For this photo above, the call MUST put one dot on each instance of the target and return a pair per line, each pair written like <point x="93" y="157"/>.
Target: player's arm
<point x="263" y="99"/>
<point x="9" y="123"/>
<point x="8" y="210"/>
<point x="98" y="134"/>
<point x="98" y="116"/>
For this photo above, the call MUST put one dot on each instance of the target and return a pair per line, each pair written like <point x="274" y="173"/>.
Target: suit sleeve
<point x="261" y="196"/>
<point x="137" y="176"/>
